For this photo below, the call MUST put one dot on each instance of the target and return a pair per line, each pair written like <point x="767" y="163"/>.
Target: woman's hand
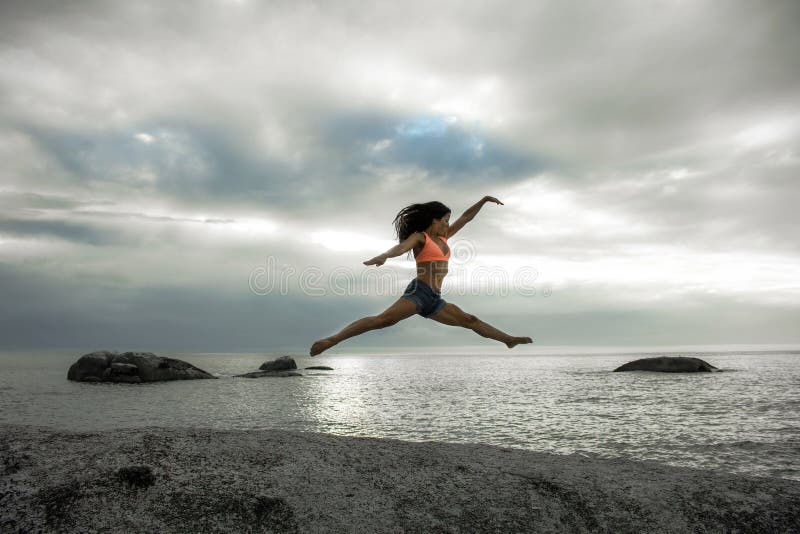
<point x="491" y="199"/>
<point x="377" y="260"/>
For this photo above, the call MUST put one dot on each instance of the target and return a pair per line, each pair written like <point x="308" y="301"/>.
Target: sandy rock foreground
<point x="158" y="480"/>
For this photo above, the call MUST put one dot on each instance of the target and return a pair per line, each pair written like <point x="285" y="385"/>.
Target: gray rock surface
<point x="284" y="363"/>
<point x="131" y="367"/>
<point x="668" y="364"/>
<point x="185" y="480"/>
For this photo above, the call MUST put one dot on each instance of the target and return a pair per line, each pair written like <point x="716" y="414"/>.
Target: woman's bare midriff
<point x="432" y="273"/>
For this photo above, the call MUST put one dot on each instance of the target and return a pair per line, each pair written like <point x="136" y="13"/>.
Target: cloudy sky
<point x="210" y="176"/>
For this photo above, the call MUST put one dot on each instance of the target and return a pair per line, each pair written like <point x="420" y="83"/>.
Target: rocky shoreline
<point x="193" y="480"/>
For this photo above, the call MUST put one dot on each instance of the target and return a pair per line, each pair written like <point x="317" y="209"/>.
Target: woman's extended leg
<point x="401" y="309"/>
<point x="452" y="315"/>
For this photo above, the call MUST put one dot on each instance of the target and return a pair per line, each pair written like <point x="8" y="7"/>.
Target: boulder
<point x="669" y="364"/>
<point x="260" y="374"/>
<point x="320" y="367"/>
<point x="122" y="372"/>
<point x="132" y="368"/>
<point x="284" y="363"/>
<point x="123" y="369"/>
<point x="90" y="367"/>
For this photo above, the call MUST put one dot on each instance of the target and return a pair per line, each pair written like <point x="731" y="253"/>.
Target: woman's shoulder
<point x="419" y="239"/>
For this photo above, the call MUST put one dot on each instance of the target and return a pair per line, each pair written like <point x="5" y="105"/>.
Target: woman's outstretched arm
<point x="414" y="239"/>
<point x="468" y="215"/>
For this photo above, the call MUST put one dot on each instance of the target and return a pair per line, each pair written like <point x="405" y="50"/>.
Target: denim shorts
<point x="428" y="300"/>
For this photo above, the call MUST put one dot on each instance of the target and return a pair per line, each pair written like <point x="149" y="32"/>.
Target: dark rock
<point x="321" y="368"/>
<point x="131" y="367"/>
<point x="669" y="364"/>
<point x="284" y="363"/>
<point x="91" y="365"/>
<point x="124" y="369"/>
<point x="260" y="374"/>
<point x="139" y="476"/>
<point x="109" y="375"/>
<point x="122" y="372"/>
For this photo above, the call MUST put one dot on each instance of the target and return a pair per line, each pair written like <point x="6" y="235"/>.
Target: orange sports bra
<point x="431" y="251"/>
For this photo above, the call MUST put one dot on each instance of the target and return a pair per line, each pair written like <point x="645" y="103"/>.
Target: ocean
<point x="745" y="419"/>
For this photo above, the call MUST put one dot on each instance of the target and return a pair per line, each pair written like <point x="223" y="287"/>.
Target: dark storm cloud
<point x="11" y="200"/>
<point x="185" y="161"/>
<point x="190" y="162"/>
<point x="107" y="228"/>
<point x="70" y="231"/>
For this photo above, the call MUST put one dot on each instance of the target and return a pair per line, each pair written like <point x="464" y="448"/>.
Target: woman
<point x="425" y="229"/>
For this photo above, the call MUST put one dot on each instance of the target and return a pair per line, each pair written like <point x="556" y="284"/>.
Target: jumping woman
<point x="425" y="229"/>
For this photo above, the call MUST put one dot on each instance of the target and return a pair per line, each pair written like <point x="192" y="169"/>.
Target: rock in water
<point x="131" y="367"/>
<point x="122" y="372"/>
<point x="284" y="363"/>
<point x="320" y="367"/>
<point x="669" y="364"/>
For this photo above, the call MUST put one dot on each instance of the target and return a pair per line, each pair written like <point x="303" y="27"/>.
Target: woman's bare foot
<point x="517" y="341"/>
<point x="320" y="346"/>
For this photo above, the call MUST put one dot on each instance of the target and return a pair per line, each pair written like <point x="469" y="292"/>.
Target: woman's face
<point x="443" y="224"/>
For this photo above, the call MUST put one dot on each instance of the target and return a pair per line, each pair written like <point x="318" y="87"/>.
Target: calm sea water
<point x="745" y="419"/>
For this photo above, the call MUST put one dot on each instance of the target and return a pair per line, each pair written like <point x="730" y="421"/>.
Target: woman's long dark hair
<point x="417" y="217"/>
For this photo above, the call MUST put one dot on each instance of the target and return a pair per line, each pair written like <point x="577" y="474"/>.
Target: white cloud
<point x="349" y="241"/>
<point x="768" y="132"/>
<point x="542" y="207"/>
<point x="177" y="144"/>
<point x="145" y="138"/>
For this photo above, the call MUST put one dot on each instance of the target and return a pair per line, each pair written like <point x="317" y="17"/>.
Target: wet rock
<point x="122" y="372"/>
<point x="285" y="481"/>
<point x="131" y="367"/>
<point x="284" y="363"/>
<point x="668" y="364"/>
<point x="109" y="376"/>
<point x="124" y="369"/>
<point x="91" y="365"/>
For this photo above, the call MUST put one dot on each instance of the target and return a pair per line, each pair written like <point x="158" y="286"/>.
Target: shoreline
<point x="190" y="480"/>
